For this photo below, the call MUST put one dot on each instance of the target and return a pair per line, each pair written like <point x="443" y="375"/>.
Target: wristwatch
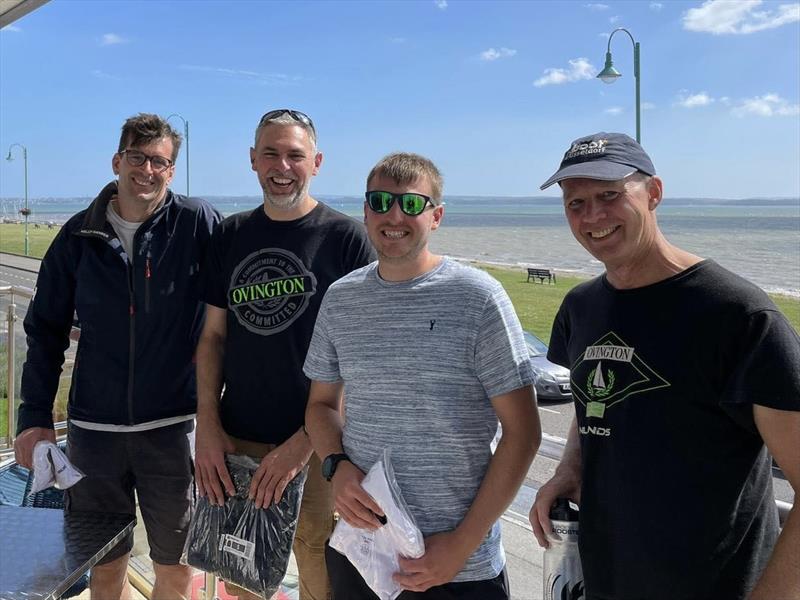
<point x="330" y="463"/>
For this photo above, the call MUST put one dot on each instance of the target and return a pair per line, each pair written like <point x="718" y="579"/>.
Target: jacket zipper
<point x="132" y="336"/>
<point x="147" y="283"/>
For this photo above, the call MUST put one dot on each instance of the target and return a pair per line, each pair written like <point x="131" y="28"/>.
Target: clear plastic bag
<point x="375" y="553"/>
<point x="240" y="543"/>
<point x="51" y="467"/>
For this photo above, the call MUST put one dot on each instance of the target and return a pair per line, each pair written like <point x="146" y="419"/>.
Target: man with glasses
<point x="428" y="354"/>
<point x="128" y="267"/>
<point x="267" y="272"/>
<point x="685" y="379"/>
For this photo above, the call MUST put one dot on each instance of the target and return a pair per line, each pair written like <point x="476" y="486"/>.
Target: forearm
<point x="210" y="355"/>
<point x="48" y="339"/>
<point x="570" y="464"/>
<point x="781" y="577"/>
<point x="40" y="376"/>
<point x="324" y="422"/>
<point x="505" y="475"/>
<point x="779" y="429"/>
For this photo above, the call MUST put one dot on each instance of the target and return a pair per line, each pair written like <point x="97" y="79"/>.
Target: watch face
<point x="330" y="463"/>
<point x="327" y="468"/>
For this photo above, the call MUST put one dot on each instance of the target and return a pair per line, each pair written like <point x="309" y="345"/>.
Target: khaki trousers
<point x="313" y="529"/>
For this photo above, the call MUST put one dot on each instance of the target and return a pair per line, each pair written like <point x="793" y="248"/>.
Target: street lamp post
<point x="609" y="75"/>
<point x="25" y="211"/>
<point x="186" y="138"/>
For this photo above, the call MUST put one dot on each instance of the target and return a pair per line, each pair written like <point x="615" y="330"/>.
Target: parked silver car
<point x="551" y="380"/>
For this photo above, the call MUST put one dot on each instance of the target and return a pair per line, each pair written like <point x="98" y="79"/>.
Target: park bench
<point x="541" y="275"/>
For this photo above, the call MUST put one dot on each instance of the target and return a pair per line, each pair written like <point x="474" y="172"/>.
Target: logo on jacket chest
<point x="269" y="290"/>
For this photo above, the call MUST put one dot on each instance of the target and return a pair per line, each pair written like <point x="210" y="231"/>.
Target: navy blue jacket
<point x="140" y="320"/>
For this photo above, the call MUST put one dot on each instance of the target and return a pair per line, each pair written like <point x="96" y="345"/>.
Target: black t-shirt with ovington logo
<point x="676" y="499"/>
<point x="271" y="277"/>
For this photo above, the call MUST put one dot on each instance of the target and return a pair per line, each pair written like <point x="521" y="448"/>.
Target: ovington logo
<point x="269" y="290"/>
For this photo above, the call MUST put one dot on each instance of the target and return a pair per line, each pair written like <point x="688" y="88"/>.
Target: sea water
<point x="759" y="239"/>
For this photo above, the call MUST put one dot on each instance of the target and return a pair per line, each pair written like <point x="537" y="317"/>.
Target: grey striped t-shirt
<point x="420" y="360"/>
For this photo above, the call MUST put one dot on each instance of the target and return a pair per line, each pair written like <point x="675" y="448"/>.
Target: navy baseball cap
<point x="604" y="156"/>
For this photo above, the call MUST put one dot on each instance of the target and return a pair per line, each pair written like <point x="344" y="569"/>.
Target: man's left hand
<point x="278" y="468"/>
<point x="445" y="555"/>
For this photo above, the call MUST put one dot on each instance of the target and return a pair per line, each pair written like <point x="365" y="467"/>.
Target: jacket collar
<point x="95" y="223"/>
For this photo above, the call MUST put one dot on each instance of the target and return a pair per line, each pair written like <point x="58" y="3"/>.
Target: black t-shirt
<point x="271" y="277"/>
<point x="676" y="499"/>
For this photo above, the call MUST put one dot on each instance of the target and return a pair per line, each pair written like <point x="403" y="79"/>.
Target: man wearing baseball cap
<point x="685" y="380"/>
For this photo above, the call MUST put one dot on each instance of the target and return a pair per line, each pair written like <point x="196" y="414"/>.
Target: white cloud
<point x="254" y="76"/>
<point x="492" y="54"/>
<point x="613" y="110"/>
<point x="656" y="6"/>
<point x="768" y="105"/>
<point x="613" y="19"/>
<point x="103" y="75"/>
<point x="111" y="39"/>
<point x="579" y="68"/>
<point x="726" y="17"/>
<point x="648" y="106"/>
<point x="694" y="100"/>
<point x="596" y="6"/>
<point x="13" y="28"/>
<point x="398" y="40"/>
<point x="440" y="4"/>
<point x="605" y="35"/>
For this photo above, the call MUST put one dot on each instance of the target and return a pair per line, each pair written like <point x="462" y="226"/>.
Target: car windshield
<point x="536" y="347"/>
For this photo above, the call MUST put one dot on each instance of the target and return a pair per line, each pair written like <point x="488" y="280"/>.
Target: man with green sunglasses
<point x="429" y="354"/>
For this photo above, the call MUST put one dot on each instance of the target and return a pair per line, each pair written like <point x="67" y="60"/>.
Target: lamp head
<point x="9" y="157"/>
<point x="609" y="74"/>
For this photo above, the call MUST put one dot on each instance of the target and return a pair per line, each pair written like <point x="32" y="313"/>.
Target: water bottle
<point x="563" y="576"/>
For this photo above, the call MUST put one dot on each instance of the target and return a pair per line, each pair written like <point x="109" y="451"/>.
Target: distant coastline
<point x="535" y="200"/>
<point x="758" y="238"/>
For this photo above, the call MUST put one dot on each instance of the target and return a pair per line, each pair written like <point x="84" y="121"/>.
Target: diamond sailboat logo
<point x="608" y="372"/>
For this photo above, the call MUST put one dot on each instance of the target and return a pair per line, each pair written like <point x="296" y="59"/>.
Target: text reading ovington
<point x="267" y="290"/>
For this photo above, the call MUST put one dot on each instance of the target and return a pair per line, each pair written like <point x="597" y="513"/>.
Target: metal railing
<point x="11" y="331"/>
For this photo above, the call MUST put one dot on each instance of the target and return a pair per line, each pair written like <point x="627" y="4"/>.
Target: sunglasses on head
<point x="295" y="114"/>
<point x="411" y="204"/>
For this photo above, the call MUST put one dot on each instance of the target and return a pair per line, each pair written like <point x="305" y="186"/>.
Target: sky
<point x="492" y="92"/>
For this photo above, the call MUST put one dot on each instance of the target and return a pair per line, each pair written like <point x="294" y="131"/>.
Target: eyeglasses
<point x="295" y="114"/>
<point x="411" y="204"/>
<point x="137" y="159"/>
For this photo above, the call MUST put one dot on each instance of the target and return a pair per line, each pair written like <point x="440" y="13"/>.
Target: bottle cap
<point x="564" y="510"/>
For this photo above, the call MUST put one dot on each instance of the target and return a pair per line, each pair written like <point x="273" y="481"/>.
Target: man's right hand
<point x="561" y="485"/>
<point x="351" y="501"/>
<point x="211" y="474"/>
<point x="27" y="440"/>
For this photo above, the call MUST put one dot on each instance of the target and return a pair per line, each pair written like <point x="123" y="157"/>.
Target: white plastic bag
<point x="375" y="553"/>
<point x="52" y="467"/>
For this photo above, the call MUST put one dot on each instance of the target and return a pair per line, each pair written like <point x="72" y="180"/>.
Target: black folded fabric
<point x="240" y="543"/>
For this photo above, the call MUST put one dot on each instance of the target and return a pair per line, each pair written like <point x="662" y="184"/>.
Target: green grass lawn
<point x="12" y="238"/>
<point x="536" y="304"/>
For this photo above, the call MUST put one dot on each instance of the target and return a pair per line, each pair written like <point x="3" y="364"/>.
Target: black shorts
<point x="157" y="463"/>
<point x="347" y="584"/>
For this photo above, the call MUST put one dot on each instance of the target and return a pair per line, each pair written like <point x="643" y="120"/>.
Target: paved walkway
<point x="20" y="262"/>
